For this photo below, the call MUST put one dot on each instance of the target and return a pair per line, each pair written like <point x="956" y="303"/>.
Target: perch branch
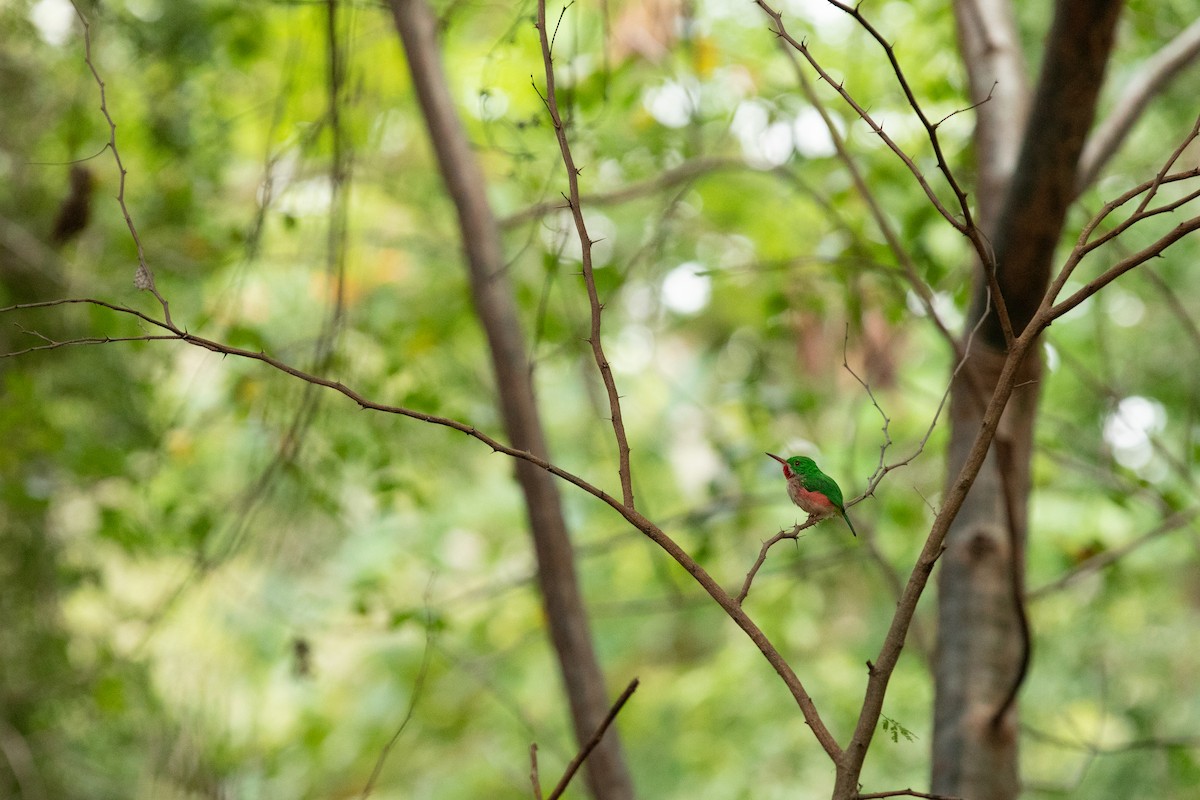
<point x="633" y="517"/>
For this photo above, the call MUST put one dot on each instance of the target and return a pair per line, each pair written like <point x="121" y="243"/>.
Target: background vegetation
<point x="217" y="581"/>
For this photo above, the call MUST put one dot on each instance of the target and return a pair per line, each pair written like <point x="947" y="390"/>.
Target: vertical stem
<point x="606" y="772"/>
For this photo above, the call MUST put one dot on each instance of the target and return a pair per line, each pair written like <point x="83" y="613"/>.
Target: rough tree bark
<point x="606" y="772"/>
<point x="981" y="643"/>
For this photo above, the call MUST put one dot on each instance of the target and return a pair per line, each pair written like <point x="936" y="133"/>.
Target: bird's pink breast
<point x="815" y="503"/>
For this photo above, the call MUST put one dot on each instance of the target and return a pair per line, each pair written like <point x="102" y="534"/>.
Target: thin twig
<point x="1136" y="259"/>
<point x="1085" y="244"/>
<point x="883" y="469"/>
<point x="585" y="243"/>
<point x="83" y="340"/>
<point x="144" y="277"/>
<point x="418" y="686"/>
<point x="899" y="251"/>
<point x="794" y="533"/>
<point x="577" y="762"/>
<point x="533" y="772"/>
<point x="966" y="226"/>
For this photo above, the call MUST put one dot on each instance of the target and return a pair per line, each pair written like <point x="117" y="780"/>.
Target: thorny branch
<point x="794" y="533"/>
<point x="585" y="243"/>
<point x="631" y="515"/>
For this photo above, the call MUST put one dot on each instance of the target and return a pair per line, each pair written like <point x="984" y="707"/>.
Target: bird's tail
<point x="847" y="518"/>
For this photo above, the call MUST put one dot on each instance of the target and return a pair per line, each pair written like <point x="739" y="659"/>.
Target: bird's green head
<point x="797" y="465"/>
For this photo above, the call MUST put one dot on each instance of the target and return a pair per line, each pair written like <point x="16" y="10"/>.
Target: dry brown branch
<point x="586" y="750"/>
<point x="906" y="793"/>
<point x="802" y="48"/>
<point x="983" y="249"/>
<point x="632" y="516"/>
<point x="966" y="226"/>
<point x="967" y="221"/>
<point x="144" y="277"/>
<point x="585" y="243"/>
<point x="882" y="469"/>
<point x="884" y="665"/>
<point x="1136" y="259"/>
<point x="1085" y="244"/>
<point x="534" y="780"/>
<point x="794" y="533"/>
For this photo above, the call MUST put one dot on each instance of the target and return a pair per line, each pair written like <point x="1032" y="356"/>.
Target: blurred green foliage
<point x="218" y="582"/>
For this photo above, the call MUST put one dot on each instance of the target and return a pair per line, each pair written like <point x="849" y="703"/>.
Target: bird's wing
<point x="825" y="485"/>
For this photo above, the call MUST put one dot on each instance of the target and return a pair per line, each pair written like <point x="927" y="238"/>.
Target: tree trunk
<point x="982" y="639"/>
<point x="607" y="775"/>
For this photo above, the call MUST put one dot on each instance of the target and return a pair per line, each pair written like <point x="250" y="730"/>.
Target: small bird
<point x="813" y="490"/>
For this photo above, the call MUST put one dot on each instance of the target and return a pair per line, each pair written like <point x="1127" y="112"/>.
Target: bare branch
<point x="1170" y="162"/>
<point x="883" y="469"/>
<point x="906" y="793"/>
<point x="533" y="772"/>
<point x="994" y="60"/>
<point x="794" y="533"/>
<point x="899" y="251"/>
<point x="1085" y="243"/>
<point x="144" y="277"/>
<point x="1124" y="265"/>
<point x="83" y="340"/>
<point x="884" y="665"/>
<point x="573" y="767"/>
<point x="968" y="223"/>
<point x="802" y="48"/>
<point x="632" y="516"/>
<point x="585" y="243"/>
<point x="1151" y="78"/>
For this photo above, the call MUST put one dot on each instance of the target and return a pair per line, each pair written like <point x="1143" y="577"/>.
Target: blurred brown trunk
<point x="981" y="641"/>
<point x="605" y="769"/>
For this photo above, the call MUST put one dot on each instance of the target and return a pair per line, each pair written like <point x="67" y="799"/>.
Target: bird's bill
<point x="777" y="458"/>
